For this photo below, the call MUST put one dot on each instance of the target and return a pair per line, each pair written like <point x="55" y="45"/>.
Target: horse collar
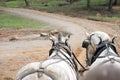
<point x="97" y="53"/>
<point x="101" y="48"/>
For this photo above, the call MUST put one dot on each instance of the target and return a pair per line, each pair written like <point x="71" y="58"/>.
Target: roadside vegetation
<point x="98" y="9"/>
<point x="8" y="20"/>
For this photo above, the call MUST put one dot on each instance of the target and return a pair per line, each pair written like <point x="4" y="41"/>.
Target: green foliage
<point x="16" y="3"/>
<point x="11" y="21"/>
<point x="61" y="6"/>
<point x="53" y="4"/>
<point x="104" y="18"/>
<point x="48" y="4"/>
<point x="98" y="2"/>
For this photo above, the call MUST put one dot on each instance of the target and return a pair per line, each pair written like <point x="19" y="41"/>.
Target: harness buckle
<point x="40" y="70"/>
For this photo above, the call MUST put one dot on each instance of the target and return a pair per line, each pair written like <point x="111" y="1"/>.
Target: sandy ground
<point x="30" y="47"/>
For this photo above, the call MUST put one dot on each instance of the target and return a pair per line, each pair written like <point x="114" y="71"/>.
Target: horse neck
<point x="106" y="54"/>
<point x="103" y="52"/>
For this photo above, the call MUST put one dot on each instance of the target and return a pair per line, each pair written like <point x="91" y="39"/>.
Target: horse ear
<point x="52" y="38"/>
<point x="114" y="38"/>
<point x="67" y="37"/>
<point x="100" y="39"/>
<point x="87" y="34"/>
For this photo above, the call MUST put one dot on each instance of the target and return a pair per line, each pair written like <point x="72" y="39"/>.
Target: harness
<point x="102" y="45"/>
<point x="101" y="48"/>
<point x="70" y="53"/>
<point x="57" y="47"/>
<point x="71" y="61"/>
<point x="40" y="71"/>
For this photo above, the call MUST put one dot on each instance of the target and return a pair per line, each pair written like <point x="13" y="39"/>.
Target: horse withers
<point x="101" y="57"/>
<point x="60" y="65"/>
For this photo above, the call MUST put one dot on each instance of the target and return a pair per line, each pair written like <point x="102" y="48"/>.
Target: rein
<point x="66" y="48"/>
<point x="70" y="53"/>
<point x="57" y="47"/>
<point x="97" y="53"/>
<point x="42" y="70"/>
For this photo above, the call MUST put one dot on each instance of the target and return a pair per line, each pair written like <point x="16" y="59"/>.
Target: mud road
<point x="29" y="47"/>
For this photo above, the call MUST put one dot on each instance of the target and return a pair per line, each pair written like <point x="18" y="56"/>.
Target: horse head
<point x="59" y="38"/>
<point x="92" y="42"/>
<point x="59" y="41"/>
<point x="102" y="57"/>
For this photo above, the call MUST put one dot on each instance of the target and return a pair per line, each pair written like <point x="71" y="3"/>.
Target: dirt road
<point x="15" y="54"/>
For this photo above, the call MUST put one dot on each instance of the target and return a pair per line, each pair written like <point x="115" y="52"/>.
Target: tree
<point x="88" y="4"/>
<point x="71" y="1"/>
<point x="6" y="0"/>
<point x="115" y="2"/>
<point x="110" y="4"/>
<point x="26" y="2"/>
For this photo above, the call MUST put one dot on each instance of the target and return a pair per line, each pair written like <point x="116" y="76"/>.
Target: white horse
<point x="60" y="64"/>
<point x="102" y="57"/>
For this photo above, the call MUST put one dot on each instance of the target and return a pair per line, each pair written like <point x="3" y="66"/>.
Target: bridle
<point x="59" y="46"/>
<point x="100" y="47"/>
<point x="67" y="48"/>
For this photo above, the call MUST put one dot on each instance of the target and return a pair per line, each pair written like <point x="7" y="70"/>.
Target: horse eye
<point x="85" y="44"/>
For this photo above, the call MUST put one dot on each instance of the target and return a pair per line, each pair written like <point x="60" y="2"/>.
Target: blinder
<point x="85" y="43"/>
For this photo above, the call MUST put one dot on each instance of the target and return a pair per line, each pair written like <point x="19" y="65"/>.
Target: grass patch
<point x="77" y="9"/>
<point x="50" y="5"/>
<point x="14" y="4"/>
<point x="98" y="2"/>
<point x="104" y="18"/>
<point x="11" y="21"/>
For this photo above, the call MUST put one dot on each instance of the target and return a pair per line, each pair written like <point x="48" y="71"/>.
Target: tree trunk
<point x="110" y="5"/>
<point x="26" y="2"/>
<point x="88" y="4"/>
<point x="71" y="1"/>
<point x="115" y="2"/>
